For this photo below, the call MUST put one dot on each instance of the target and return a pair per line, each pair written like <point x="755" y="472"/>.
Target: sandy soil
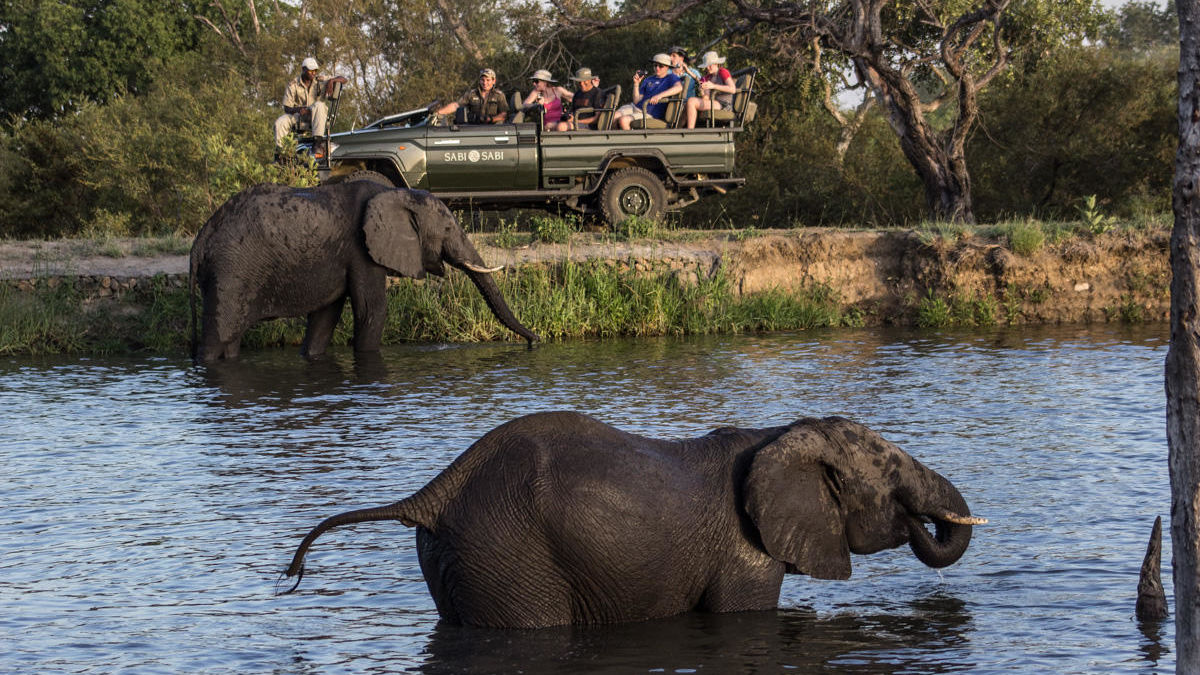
<point x="69" y="257"/>
<point x="138" y="257"/>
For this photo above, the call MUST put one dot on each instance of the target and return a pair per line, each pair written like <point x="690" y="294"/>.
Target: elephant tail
<point x="404" y="511"/>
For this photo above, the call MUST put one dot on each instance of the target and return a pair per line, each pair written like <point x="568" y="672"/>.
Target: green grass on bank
<point x="58" y="318"/>
<point x="562" y="301"/>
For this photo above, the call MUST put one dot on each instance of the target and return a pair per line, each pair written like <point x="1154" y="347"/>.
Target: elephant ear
<point x="390" y="229"/>
<point x="789" y="498"/>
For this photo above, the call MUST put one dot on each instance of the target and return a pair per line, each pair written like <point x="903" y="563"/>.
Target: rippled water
<point x="150" y="506"/>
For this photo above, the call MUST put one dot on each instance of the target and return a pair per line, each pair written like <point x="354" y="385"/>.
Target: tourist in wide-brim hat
<point x="715" y="91"/>
<point x="549" y="96"/>
<point x="653" y="89"/>
<point x="586" y="99"/>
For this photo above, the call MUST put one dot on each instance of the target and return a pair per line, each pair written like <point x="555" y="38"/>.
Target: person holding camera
<point x="550" y="97"/>
<point x="679" y="66"/>
<point x="652" y="88"/>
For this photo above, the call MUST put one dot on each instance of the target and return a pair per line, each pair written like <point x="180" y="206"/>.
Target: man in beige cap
<point x="653" y="87"/>
<point x="303" y="101"/>
<point x="484" y="103"/>
<point x="587" y="99"/>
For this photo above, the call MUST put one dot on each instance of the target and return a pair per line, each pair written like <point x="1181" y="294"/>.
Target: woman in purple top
<point x="716" y="89"/>
<point x="654" y="88"/>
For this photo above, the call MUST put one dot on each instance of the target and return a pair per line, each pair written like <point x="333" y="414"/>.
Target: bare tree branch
<point x="450" y="16"/>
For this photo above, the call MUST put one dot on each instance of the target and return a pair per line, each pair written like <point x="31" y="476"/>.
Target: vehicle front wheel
<point x="373" y="176"/>
<point x="632" y="192"/>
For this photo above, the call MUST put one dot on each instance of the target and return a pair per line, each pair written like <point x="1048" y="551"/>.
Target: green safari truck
<point x="613" y="173"/>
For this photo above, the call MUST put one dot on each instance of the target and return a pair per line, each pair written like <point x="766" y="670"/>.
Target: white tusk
<point x="482" y="270"/>
<point x="950" y="517"/>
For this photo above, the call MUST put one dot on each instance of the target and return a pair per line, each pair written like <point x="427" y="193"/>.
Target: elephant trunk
<point x="939" y="503"/>
<point x="390" y="512"/>
<point x="459" y="252"/>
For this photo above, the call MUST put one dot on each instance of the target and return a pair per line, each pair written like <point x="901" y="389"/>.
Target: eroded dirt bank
<point x="887" y="276"/>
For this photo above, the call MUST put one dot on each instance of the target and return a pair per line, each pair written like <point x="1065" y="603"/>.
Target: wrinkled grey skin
<point x="272" y="251"/>
<point x="556" y="518"/>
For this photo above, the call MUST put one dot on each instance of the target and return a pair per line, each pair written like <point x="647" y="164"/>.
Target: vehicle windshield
<point x="413" y="118"/>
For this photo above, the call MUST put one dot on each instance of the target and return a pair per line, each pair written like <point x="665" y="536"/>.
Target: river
<point x="150" y="506"/>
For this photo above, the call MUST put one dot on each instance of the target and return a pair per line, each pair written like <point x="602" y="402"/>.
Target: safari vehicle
<point x="610" y="172"/>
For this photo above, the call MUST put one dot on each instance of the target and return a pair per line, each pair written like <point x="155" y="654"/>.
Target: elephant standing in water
<point x="556" y="518"/>
<point x="272" y="251"/>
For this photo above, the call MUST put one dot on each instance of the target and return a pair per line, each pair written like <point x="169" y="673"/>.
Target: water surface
<point x="151" y="505"/>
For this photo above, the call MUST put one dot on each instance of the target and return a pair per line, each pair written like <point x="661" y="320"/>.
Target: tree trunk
<point x="1183" y="357"/>
<point x="941" y="166"/>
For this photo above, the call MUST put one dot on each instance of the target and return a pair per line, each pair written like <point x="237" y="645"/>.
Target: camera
<point x="641" y="73"/>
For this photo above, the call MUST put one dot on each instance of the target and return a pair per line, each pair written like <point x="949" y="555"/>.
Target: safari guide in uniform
<point x="303" y="101"/>
<point x="485" y="104"/>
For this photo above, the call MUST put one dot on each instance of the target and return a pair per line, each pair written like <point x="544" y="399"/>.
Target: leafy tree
<point x="58" y="55"/>
<point x="1086" y="120"/>
<point x="925" y="60"/>
<point x="1141" y="25"/>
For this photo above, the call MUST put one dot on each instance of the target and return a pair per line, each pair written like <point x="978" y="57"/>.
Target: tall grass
<point x="598" y="299"/>
<point x="565" y="300"/>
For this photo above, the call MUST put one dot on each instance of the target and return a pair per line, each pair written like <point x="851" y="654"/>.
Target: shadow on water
<point x="924" y="633"/>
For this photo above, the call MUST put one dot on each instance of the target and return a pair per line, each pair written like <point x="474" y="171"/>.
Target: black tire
<point x="373" y="176"/>
<point x="632" y="192"/>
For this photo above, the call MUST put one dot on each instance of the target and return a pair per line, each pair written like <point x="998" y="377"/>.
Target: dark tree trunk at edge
<point x="1183" y="357"/>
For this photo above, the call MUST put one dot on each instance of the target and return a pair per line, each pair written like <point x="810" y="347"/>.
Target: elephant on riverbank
<point x="272" y="251"/>
<point x="557" y="518"/>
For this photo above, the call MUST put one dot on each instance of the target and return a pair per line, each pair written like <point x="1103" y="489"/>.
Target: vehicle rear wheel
<point x="632" y="192"/>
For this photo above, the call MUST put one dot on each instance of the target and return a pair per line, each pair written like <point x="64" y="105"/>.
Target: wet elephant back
<point x="284" y="251"/>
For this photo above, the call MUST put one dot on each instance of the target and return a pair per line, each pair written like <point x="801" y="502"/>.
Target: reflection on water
<point x="720" y="643"/>
<point x="154" y="504"/>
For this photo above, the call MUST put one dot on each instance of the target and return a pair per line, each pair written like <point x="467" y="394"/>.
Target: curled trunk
<point x="940" y="504"/>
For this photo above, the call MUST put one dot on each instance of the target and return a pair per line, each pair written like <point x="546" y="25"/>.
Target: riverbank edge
<point x="899" y="277"/>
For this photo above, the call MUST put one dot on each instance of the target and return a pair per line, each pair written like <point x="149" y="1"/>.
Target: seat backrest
<point x="674" y="110"/>
<point x="677" y="119"/>
<point x="333" y="89"/>
<point x="610" y="99"/>
<point x="516" y="114"/>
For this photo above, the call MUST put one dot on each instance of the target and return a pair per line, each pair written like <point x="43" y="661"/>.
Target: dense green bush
<point x="153" y="164"/>
<point x="1086" y="121"/>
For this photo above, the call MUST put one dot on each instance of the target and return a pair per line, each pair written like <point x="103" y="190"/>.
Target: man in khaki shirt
<point x="302" y="101"/>
<point x="483" y="104"/>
